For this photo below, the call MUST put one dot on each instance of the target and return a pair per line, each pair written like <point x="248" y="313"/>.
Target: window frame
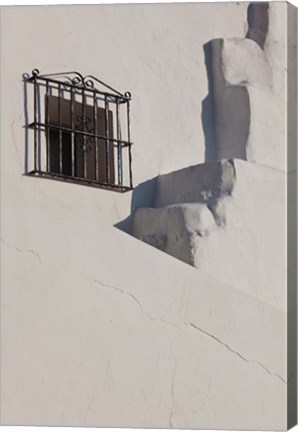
<point x="114" y="108"/>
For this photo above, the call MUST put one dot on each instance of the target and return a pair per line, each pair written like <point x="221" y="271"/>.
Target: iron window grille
<point x="81" y="131"/>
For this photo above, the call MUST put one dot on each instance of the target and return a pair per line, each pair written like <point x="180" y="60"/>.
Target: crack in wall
<point x="30" y="251"/>
<point x="269" y="372"/>
<point x="128" y="294"/>
<point x="14" y="141"/>
<point x="106" y="374"/>
<point x="173" y="395"/>
<point x="41" y="384"/>
<point x="236" y="352"/>
<point x="233" y="351"/>
<point x="124" y="293"/>
<point x="218" y="340"/>
<point x="89" y="405"/>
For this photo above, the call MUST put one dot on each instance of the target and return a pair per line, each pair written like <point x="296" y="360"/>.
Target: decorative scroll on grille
<point x="81" y="131"/>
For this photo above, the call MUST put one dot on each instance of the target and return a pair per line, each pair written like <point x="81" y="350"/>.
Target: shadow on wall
<point x="25" y="77"/>
<point x="27" y="158"/>
<point x="225" y="114"/>
<point x="142" y="196"/>
<point x="258" y="22"/>
<point x="207" y="116"/>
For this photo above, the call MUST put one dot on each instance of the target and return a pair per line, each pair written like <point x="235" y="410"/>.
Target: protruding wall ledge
<point x="219" y="217"/>
<point x="186" y="206"/>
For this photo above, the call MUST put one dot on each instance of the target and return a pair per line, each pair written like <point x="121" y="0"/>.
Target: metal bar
<point x="84" y="136"/>
<point x="77" y="131"/>
<point x="79" y="79"/>
<point x="129" y="146"/>
<point x="79" y="180"/>
<point x="122" y="98"/>
<point x="91" y="78"/>
<point x="107" y="140"/>
<point x="72" y="133"/>
<point x="35" y="128"/>
<point x="130" y="167"/>
<point x="47" y="115"/>
<point x="60" y="131"/>
<point x="119" y="147"/>
<point x="85" y="87"/>
<point x="95" y="135"/>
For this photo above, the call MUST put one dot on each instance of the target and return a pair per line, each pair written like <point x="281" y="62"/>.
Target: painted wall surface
<point x="98" y="328"/>
<point x="154" y="52"/>
<point x="229" y="230"/>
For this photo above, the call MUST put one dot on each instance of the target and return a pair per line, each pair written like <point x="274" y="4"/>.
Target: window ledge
<point x="81" y="181"/>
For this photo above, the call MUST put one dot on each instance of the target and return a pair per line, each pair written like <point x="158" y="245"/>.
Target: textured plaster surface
<point x="87" y="342"/>
<point x="98" y="328"/>
<point x="249" y="89"/>
<point x="237" y="203"/>
<point x="155" y="52"/>
<point x="224" y="218"/>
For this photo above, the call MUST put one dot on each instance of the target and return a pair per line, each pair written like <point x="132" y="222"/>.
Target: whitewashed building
<point x="159" y="291"/>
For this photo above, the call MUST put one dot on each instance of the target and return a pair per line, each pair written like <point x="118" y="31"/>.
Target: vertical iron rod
<point x="119" y="145"/>
<point x="72" y="132"/>
<point x="107" y="134"/>
<point x="95" y="132"/>
<point x="47" y="114"/>
<point x="60" y="131"/>
<point x="129" y="146"/>
<point x="85" y="132"/>
<point x="84" y="136"/>
<point x="35" y="127"/>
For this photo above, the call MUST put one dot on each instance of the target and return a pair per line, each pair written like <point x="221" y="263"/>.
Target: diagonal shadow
<point x="207" y="116"/>
<point x="142" y="196"/>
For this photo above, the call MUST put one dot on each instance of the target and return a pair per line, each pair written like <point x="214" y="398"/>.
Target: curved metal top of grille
<point x="78" y="80"/>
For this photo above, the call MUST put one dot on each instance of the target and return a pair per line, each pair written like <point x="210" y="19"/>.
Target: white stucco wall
<point x="155" y="52"/>
<point x="225" y="218"/>
<point x="99" y="329"/>
<point x="132" y="337"/>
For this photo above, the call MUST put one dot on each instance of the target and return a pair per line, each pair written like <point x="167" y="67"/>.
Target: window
<point x="81" y="133"/>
